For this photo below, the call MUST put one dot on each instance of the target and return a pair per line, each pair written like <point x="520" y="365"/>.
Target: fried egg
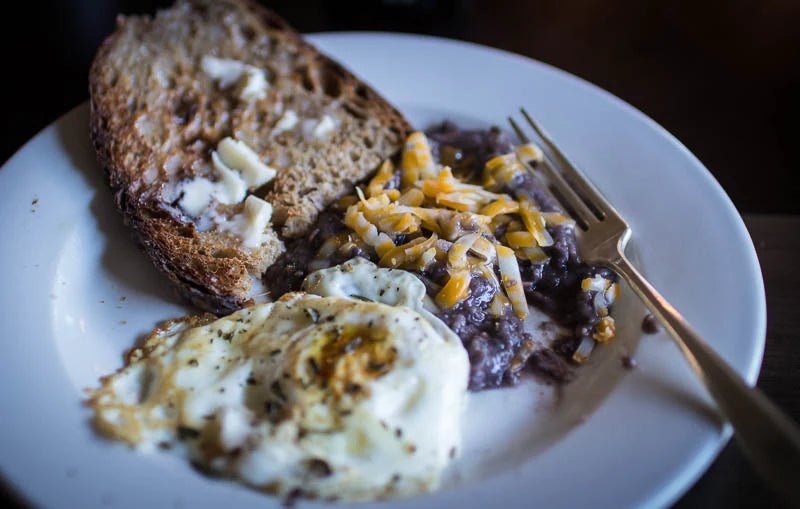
<point x="359" y="278"/>
<point x="326" y="397"/>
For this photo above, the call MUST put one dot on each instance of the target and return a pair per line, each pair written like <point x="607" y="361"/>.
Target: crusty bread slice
<point x="156" y="116"/>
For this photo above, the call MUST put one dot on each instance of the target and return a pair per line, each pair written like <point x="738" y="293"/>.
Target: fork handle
<point x="768" y="436"/>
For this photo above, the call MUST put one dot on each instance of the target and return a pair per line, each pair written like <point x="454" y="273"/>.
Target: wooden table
<point x="731" y="481"/>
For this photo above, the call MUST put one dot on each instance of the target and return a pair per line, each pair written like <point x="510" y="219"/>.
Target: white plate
<point x="76" y="293"/>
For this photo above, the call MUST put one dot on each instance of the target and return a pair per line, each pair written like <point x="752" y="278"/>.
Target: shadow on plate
<point x="123" y="260"/>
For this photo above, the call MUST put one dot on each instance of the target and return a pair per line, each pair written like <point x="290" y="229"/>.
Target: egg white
<point x="329" y="397"/>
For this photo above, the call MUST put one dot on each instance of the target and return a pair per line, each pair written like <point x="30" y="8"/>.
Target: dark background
<point x="723" y="76"/>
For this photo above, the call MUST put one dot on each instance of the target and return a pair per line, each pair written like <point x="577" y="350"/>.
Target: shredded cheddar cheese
<point x="502" y="205"/>
<point x="457" y="256"/>
<point x="417" y="159"/>
<point x="529" y="153"/>
<point x="413" y="198"/>
<point x="426" y="259"/>
<point x="443" y="183"/>
<point x="435" y="216"/>
<point x="408" y="252"/>
<point x="512" y="280"/>
<point x="501" y="170"/>
<point x="605" y="292"/>
<point x="612" y="293"/>
<point x="604" y="330"/>
<point x="556" y="219"/>
<point x="518" y="239"/>
<point x="454" y="291"/>
<point x="378" y="183"/>
<point x="535" y="222"/>
<point x="534" y="255"/>
<point x="597" y="284"/>
<point x="399" y="223"/>
<point x="460" y="201"/>
<point x="498" y="305"/>
<point x="356" y="221"/>
<point x="484" y="249"/>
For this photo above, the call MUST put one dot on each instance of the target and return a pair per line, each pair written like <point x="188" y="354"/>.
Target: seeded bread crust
<point x="156" y="117"/>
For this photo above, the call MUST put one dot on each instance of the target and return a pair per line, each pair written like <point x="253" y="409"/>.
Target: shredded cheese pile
<point x="446" y="219"/>
<point x="605" y="293"/>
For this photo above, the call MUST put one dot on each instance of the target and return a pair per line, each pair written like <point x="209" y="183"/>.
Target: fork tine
<point x="520" y="133"/>
<point x="559" y="188"/>
<point x="588" y="194"/>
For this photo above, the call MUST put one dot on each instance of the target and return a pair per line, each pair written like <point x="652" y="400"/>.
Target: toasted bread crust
<point x="155" y="118"/>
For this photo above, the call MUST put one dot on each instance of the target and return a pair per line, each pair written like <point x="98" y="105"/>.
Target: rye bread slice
<point x="156" y="117"/>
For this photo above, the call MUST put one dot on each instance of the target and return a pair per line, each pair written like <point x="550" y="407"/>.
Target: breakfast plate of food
<point x="259" y="268"/>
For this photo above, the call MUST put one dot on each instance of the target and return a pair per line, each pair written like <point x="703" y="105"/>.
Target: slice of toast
<point x="159" y="110"/>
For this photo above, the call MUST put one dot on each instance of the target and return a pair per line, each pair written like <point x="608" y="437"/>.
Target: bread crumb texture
<point x="156" y="118"/>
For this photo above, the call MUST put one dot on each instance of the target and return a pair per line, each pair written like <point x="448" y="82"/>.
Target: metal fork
<point x="768" y="436"/>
